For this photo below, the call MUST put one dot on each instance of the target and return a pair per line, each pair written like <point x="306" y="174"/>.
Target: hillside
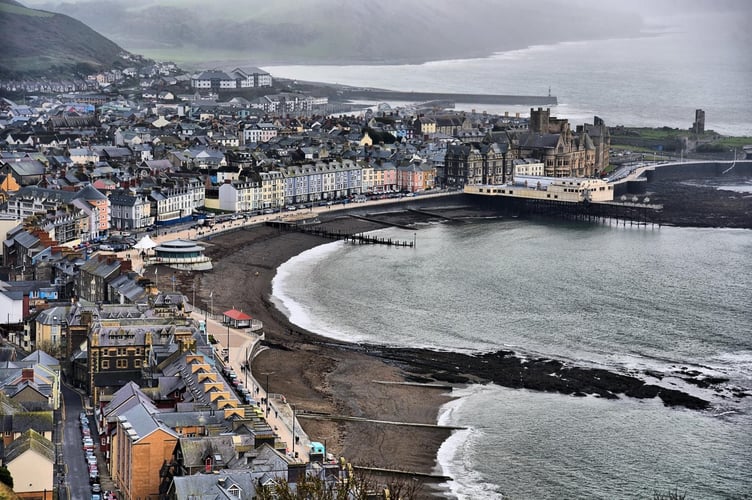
<point x="40" y="43"/>
<point x="341" y="31"/>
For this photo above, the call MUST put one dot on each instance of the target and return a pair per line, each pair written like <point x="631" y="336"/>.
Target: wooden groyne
<point x="397" y="472"/>
<point x="443" y="387"/>
<point x="377" y="221"/>
<point x="358" y="238"/>
<point x="346" y="418"/>
<point x="431" y="214"/>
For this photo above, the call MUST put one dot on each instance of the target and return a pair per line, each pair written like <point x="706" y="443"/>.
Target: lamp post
<point x="228" y="340"/>
<point x="293" y="430"/>
<point x="247" y="367"/>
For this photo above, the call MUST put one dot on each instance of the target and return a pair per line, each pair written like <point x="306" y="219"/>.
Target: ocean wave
<point x="455" y="454"/>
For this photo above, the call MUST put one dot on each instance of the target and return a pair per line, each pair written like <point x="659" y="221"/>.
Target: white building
<point x="171" y="204"/>
<point x="259" y="132"/>
<point x="251" y="77"/>
<point x="272" y="190"/>
<point x="213" y="79"/>
<point x="529" y="167"/>
<point x="569" y="189"/>
<point x="240" y="196"/>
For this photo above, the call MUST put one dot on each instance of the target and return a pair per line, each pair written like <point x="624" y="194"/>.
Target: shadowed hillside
<point x="37" y="43"/>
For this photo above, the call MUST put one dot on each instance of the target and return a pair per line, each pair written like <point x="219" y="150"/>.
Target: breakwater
<point x="392" y="95"/>
<point x="699" y="169"/>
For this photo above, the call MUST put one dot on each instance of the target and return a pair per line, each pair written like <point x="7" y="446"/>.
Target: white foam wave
<point x="285" y="283"/>
<point x="454" y="457"/>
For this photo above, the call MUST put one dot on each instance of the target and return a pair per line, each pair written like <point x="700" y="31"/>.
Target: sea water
<point x="687" y="62"/>
<point x="626" y="299"/>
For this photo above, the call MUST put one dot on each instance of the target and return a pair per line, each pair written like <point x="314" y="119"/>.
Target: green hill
<point x="40" y="43"/>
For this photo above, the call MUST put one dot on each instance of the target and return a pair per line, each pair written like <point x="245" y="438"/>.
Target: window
<point x="122" y="363"/>
<point x="121" y="351"/>
<point x="105" y="364"/>
<point x="136" y="363"/>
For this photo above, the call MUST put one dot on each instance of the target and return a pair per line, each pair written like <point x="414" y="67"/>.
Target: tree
<point x="5" y="477"/>
<point x="361" y="485"/>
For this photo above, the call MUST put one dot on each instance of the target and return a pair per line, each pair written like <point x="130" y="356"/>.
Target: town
<point x="85" y="170"/>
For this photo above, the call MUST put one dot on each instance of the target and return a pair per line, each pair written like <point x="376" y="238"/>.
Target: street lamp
<point x="228" y="340"/>
<point x="293" y="430"/>
<point x="247" y="367"/>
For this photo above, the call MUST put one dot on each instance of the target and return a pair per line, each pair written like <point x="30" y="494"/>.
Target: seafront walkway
<point x="242" y="344"/>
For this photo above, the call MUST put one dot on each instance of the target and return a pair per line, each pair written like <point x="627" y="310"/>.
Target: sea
<point x="665" y="301"/>
<point x="660" y="300"/>
<point x="682" y="63"/>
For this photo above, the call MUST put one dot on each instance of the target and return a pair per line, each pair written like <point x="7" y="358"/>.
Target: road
<point x="76" y="483"/>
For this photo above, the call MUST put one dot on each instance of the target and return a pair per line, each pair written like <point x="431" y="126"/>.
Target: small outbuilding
<point x="236" y="319"/>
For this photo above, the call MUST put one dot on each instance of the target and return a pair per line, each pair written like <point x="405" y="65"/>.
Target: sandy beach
<point x="317" y="374"/>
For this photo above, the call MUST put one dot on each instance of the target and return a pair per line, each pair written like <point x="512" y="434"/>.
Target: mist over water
<point x="625" y="299"/>
<point x="689" y="62"/>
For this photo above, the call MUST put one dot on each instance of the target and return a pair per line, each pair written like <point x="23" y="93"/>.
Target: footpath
<point x="242" y="346"/>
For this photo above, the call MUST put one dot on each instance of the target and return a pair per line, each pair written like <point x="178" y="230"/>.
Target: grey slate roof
<point x="214" y="486"/>
<point x="30" y="440"/>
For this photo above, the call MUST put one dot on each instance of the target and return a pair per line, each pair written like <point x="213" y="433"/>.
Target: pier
<point x="358" y="238"/>
<point x="627" y="214"/>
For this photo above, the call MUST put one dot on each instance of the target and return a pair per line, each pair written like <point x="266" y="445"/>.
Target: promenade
<point x="243" y="344"/>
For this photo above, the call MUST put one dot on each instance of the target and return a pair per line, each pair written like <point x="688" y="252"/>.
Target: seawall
<point x="699" y="169"/>
<point x="389" y="95"/>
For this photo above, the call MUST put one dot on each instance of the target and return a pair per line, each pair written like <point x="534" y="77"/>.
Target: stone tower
<point x="539" y="120"/>
<point x="698" y="127"/>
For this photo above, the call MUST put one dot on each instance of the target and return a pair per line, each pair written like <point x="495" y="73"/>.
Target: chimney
<point x="27" y="374"/>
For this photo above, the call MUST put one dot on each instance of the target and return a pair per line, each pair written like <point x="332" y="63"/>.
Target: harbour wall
<point x="390" y="95"/>
<point x="699" y="169"/>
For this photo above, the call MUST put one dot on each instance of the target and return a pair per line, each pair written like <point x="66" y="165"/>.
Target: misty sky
<point x="398" y="31"/>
